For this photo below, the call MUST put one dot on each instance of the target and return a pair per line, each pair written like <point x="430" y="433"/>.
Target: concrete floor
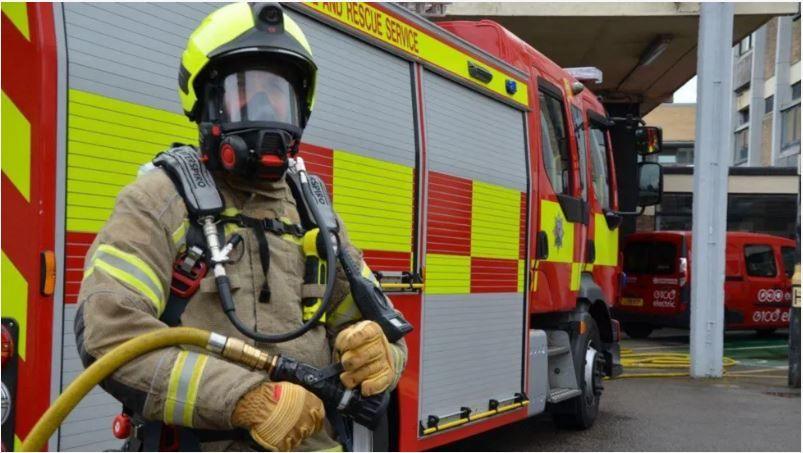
<point x="750" y="409"/>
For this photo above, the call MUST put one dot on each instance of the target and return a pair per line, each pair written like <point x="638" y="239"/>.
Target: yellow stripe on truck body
<point x="495" y="217"/>
<point x="418" y="43"/>
<point x="375" y="200"/>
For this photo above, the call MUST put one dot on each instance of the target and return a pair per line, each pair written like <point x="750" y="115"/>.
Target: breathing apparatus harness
<point x="204" y="205"/>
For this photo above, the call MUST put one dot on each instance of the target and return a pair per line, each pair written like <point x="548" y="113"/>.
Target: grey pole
<point x="712" y="151"/>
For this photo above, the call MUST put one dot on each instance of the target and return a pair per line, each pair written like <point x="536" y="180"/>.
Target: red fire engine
<point x="497" y="191"/>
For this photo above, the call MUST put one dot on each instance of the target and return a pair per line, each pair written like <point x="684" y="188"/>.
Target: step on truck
<point x="476" y="175"/>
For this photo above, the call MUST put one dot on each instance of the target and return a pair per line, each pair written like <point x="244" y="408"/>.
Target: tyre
<point x="581" y="411"/>
<point x="637" y="330"/>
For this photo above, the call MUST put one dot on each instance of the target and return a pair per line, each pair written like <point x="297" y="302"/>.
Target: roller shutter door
<point x="474" y="301"/>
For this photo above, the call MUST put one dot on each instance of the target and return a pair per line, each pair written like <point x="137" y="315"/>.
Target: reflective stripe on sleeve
<point x="130" y="269"/>
<point x="182" y="389"/>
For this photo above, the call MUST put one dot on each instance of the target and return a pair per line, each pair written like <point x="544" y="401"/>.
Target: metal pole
<point x="712" y="151"/>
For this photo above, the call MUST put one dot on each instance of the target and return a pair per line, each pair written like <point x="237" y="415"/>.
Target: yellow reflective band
<point x="334" y="449"/>
<point x="172" y="386"/>
<point x="16" y="143"/>
<point x="182" y="390"/>
<point x="559" y="231"/>
<point x="179" y="236"/>
<point x="448" y="274"/>
<point x="192" y="392"/>
<point x="345" y="312"/>
<point x="130" y="269"/>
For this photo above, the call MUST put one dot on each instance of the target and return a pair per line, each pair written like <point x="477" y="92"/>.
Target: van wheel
<point x="637" y="330"/>
<point x="580" y="412"/>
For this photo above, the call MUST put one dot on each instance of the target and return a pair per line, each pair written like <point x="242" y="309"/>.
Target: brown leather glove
<point x="279" y="415"/>
<point x="366" y="356"/>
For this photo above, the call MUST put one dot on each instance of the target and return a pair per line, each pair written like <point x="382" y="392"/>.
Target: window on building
<point x="740" y="151"/>
<point x="790" y="126"/>
<point x="554" y="143"/>
<point x="599" y="166"/>
<point x="743" y="116"/>
<point x="769" y="103"/>
<point x="760" y="213"/>
<point x="745" y="44"/>
<point x="760" y="261"/>
<point x="796" y="91"/>
<point x="582" y="149"/>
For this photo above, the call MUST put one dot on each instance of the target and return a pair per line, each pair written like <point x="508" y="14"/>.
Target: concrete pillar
<point x="783" y="92"/>
<point x="709" y="212"/>
<point x="757" y="97"/>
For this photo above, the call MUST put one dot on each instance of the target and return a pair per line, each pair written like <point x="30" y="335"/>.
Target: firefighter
<point x="247" y="78"/>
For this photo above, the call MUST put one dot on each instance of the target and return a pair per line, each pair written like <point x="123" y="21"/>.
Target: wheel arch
<point x="591" y="294"/>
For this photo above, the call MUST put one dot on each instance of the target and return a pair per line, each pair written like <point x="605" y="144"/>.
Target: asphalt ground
<point x="750" y="409"/>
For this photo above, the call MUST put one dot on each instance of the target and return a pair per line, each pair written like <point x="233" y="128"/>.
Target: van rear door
<point x="653" y="274"/>
<point x="763" y="301"/>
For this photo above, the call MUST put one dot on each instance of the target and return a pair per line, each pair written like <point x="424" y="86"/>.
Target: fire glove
<point x="367" y="357"/>
<point x="279" y="415"/>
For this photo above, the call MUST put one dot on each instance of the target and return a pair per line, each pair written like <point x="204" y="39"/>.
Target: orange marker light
<point x="48" y="272"/>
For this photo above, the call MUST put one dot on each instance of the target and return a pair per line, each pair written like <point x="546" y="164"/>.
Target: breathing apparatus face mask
<point x="252" y="122"/>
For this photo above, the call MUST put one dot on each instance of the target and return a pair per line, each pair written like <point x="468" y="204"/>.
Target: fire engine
<point x="475" y="174"/>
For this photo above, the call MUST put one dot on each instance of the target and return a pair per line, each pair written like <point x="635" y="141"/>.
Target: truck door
<point x="561" y="211"/>
<point x="474" y="304"/>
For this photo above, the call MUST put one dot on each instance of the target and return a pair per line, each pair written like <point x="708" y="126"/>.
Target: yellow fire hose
<point x="230" y="348"/>
<point x="663" y="360"/>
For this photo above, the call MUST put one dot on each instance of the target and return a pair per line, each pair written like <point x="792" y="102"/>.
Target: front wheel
<point x="580" y="412"/>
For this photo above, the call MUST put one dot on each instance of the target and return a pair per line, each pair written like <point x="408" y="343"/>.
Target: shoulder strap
<point x="192" y="180"/>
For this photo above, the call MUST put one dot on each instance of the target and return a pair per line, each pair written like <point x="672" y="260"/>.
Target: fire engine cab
<point x="475" y="174"/>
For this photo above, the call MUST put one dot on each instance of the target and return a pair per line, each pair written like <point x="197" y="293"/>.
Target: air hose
<point x="324" y="383"/>
<point x="329" y="237"/>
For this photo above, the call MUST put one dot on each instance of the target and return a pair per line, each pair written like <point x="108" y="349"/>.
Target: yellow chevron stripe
<point x="17" y="13"/>
<point x="14" y="293"/>
<point x="16" y="144"/>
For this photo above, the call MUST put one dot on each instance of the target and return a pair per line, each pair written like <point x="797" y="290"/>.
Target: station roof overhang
<point x="619" y="38"/>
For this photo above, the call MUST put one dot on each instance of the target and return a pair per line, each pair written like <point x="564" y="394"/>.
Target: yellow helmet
<point x="243" y="32"/>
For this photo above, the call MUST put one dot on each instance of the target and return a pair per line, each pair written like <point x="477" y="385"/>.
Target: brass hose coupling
<point x="238" y="351"/>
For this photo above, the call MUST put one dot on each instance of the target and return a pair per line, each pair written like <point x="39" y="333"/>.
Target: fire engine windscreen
<point x="259" y="95"/>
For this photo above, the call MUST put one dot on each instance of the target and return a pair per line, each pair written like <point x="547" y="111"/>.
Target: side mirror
<point x="650" y="183"/>
<point x="649" y="140"/>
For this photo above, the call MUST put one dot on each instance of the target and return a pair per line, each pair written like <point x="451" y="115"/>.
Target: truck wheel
<point x="580" y="412"/>
<point x="637" y="330"/>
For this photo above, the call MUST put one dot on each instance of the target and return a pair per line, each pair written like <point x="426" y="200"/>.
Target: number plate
<point x="632" y="301"/>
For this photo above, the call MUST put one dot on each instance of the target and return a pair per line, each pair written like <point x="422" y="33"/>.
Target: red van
<point x="657" y="268"/>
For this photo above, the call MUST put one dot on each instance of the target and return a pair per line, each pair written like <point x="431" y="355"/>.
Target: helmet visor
<point x="259" y="95"/>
